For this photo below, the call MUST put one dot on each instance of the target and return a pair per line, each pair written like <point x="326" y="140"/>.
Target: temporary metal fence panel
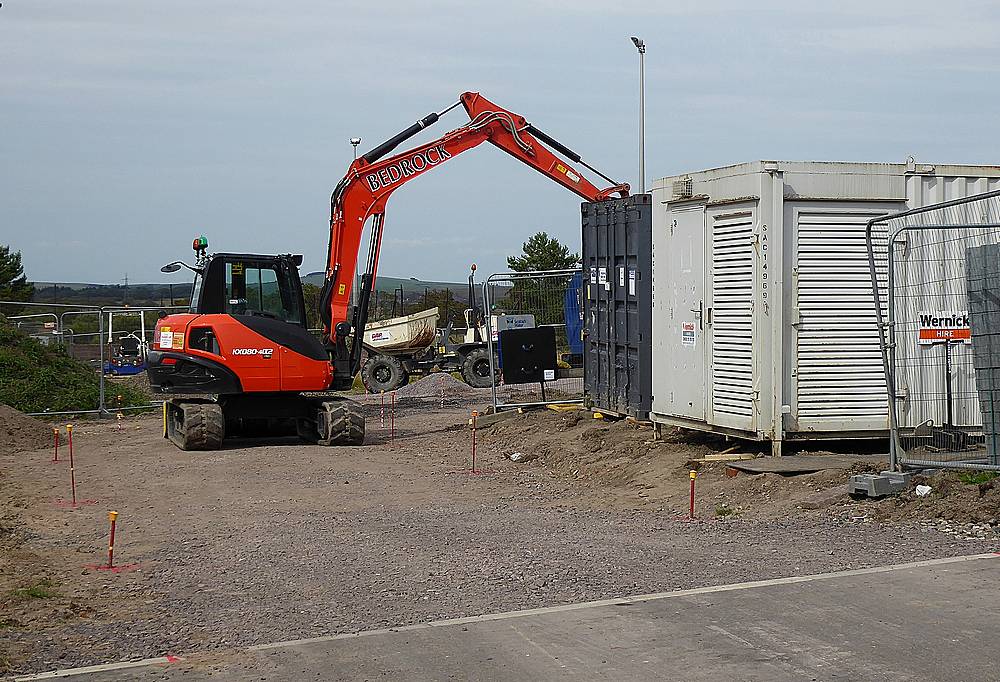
<point x="935" y="273"/>
<point x="617" y="304"/>
<point x="550" y="298"/>
<point x="61" y="333"/>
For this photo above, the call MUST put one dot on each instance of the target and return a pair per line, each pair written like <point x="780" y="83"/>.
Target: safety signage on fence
<point x="944" y="325"/>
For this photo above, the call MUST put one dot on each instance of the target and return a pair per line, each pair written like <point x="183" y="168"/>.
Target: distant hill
<point x="390" y="284"/>
<point x="157" y="294"/>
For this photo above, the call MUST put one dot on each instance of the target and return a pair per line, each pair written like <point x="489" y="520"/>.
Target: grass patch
<point x="977" y="477"/>
<point x="724" y="510"/>
<point x="43" y="589"/>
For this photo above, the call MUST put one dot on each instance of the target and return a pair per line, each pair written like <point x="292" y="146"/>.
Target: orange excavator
<point x="241" y="359"/>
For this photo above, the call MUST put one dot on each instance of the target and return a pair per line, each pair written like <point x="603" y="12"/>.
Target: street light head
<point x="641" y="46"/>
<point x="355" y="141"/>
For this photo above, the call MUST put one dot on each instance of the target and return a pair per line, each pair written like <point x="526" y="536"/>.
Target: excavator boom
<point x="373" y="177"/>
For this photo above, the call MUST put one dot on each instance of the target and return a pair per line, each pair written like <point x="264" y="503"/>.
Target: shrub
<point x="38" y="378"/>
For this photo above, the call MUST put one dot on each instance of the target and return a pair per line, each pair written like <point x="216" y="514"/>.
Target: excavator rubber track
<point x="194" y="424"/>
<point x="340" y="422"/>
<point x="203" y="424"/>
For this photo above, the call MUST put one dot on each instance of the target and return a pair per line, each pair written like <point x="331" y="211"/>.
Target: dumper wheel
<point x="476" y="369"/>
<point x="382" y="373"/>
<point x="340" y="422"/>
<point x="195" y="425"/>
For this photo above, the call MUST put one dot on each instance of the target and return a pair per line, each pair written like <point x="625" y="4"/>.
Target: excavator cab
<point x="250" y="285"/>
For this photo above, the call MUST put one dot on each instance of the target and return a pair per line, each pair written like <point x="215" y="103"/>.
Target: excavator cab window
<point x="245" y="285"/>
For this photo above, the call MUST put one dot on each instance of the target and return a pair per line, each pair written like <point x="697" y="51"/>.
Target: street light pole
<point x="641" y="46"/>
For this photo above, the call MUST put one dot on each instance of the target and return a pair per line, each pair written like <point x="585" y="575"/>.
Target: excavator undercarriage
<point x="203" y="423"/>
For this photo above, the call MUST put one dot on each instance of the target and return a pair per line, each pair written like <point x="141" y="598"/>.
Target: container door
<point x="685" y="329"/>
<point x="617" y="288"/>
<point x="839" y="384"/>
<point x="733" y="258"/>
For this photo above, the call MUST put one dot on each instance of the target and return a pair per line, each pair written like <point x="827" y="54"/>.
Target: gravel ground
<point x="280" y="541"/>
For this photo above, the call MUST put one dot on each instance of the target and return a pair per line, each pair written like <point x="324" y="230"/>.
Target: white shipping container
<point x="763" y="316"/>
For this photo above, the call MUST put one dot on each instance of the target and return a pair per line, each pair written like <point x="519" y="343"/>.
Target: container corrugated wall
<point x="617" y="304"/>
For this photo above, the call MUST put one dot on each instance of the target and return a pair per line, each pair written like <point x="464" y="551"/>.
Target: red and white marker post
<point x="694" y="475"/>
<point x="72" y="470"/>
<point x="475" y="415"/>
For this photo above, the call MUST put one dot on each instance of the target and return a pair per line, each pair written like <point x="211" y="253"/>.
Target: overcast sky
<point x="127" y="127"/>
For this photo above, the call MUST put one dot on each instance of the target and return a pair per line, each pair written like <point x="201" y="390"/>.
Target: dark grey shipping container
<point x="618" y="305"/>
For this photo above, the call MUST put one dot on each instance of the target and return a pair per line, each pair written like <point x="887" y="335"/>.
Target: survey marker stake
<point x="110" y="566"/>
<point x="475" y="415"/>
<point x="72" y="469"/>
<point x="694" y="475"/>
<point x="55" y="440"/>
<point x="113" y="518"/>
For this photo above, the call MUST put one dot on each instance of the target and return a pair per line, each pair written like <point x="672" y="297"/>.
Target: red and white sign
<point x="944" y="325"/>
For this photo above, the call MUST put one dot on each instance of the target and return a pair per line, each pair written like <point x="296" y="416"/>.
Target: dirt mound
<point x="620" y="459"/>
<point x="971" y="497"/>
<point x="618" y="454"/>
<point x="19" y="432"/>
<point x="434" y="385"/>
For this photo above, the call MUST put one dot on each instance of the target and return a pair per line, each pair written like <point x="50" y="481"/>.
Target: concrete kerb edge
<point x="106" y="667"/>
<point x="655" y="596"/>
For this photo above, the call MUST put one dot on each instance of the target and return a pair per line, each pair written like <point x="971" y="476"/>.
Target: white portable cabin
<point x="764" y="320"/>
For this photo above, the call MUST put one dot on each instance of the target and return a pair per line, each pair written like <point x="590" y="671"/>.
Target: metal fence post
<point x="487" y="314"/>
<point x="101" y="410"/>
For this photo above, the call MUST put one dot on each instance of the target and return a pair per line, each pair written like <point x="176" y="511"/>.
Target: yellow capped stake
<point x="694" y="475"/>
<point x="112" y="517"/>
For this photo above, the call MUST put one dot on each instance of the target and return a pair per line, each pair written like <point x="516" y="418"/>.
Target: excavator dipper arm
<point x="373" y="177"/>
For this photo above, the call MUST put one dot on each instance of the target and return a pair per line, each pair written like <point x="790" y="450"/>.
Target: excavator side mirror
<point x="171" y="267"/>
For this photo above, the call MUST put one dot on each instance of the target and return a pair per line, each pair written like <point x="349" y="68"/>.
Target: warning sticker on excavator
<point x="341" y="289"/>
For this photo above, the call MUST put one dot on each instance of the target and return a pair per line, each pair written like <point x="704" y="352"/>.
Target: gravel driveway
<point x="281" y="541"/>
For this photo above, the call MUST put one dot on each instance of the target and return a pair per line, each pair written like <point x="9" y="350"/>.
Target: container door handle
<point x="698" y="311"/>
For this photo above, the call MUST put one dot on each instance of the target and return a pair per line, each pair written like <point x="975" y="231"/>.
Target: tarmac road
<point x="930" y="620"/>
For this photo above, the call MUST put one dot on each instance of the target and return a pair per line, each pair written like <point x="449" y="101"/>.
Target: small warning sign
<point x="941" y="326"/>
<point x="688" y="337"/>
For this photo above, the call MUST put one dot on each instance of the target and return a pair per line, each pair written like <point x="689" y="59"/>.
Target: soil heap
<point x="434" y="385"/>
<point x="20" y="432"/>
